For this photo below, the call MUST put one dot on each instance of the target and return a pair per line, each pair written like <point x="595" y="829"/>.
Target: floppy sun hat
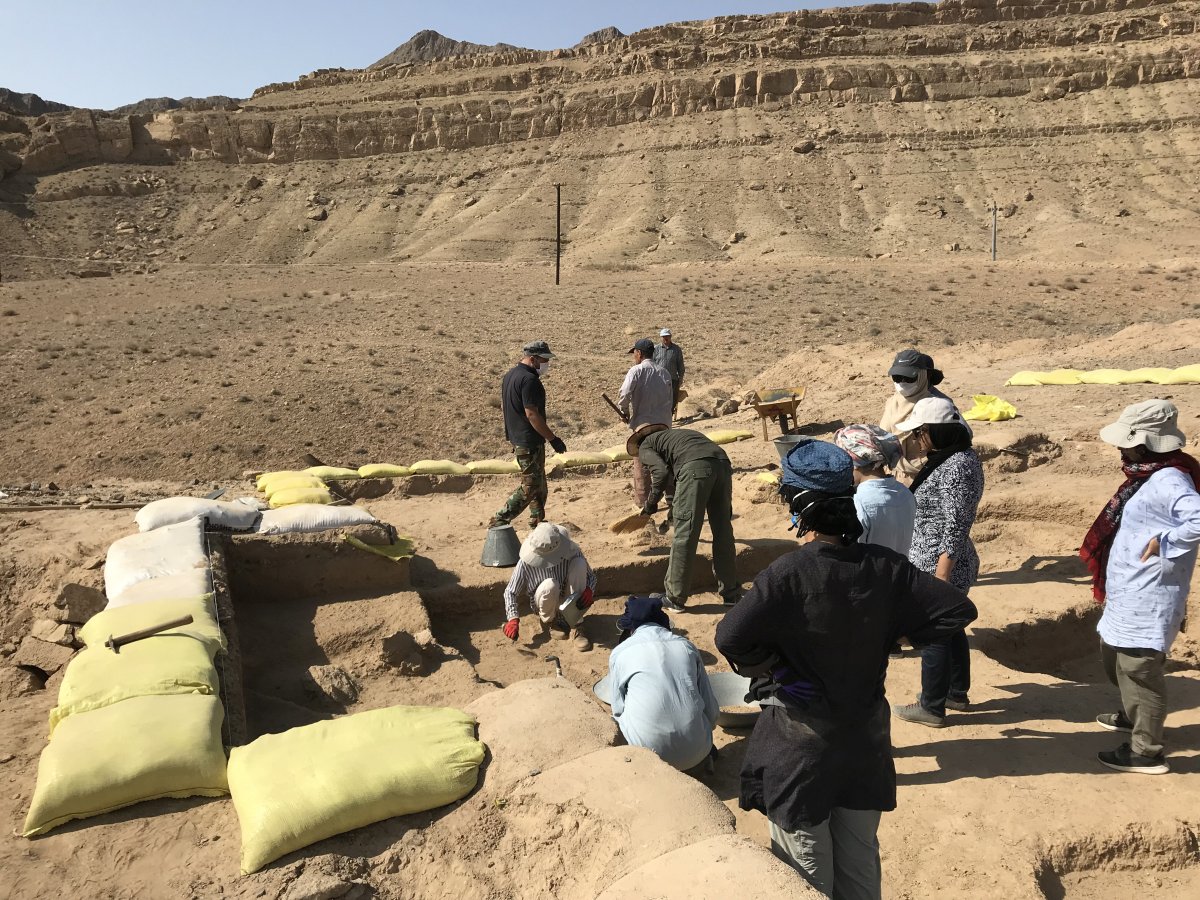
<point x="634" y="441"/>
<point x="1153" y="424"/>
<point x="546" y="545"/>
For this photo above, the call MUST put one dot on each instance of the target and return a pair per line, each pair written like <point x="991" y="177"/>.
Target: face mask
<point x="543" y="368"/>
<point x="911" y="388"/>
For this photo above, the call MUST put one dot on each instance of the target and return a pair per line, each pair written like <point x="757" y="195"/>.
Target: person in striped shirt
<point x="551" y="570"/>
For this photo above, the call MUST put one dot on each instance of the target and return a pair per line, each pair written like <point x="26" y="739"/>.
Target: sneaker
<point x="958" y="705"/>
<point x="1114" y="722"/>
<point x="581" y="641"/>
<point x="915" y="712"/>
<point x="669" y="603"/>
<point x="1125" y="760"/>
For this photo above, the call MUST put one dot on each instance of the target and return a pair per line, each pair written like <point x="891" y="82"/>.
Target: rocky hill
<point x="28" y="104"/>
<point x="886" y="129"/>
<point x="425" y="46"/>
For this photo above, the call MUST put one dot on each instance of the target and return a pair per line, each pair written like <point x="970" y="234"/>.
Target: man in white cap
<point x="669" y="356"/>
<point x="553" y="573"/>
<point x="645" y="399"/>
<point x="1141" y="551"/>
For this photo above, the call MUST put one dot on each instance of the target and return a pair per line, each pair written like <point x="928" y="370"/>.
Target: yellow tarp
<point x="382" y="470"/>
<point x="139" y="749"/>
<point x="1181" y="375"/>
<point x="295" y="788"/>
<point x="767" y="478"/>
<point x="990" y="409"/>
<point x="402" y="548"/>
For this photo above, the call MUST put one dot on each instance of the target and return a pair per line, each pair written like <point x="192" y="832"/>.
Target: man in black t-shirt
<point x="523" y="400"/>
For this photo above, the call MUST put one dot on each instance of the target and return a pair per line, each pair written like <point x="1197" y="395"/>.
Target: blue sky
<point x="103" y="54"/>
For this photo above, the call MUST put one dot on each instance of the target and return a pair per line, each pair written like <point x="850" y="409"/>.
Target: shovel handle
<point x="115" y="643"/>
<point x="615" y="408"/>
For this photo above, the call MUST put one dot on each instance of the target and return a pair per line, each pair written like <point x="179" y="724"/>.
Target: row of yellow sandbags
<point x="1181" y="375"/>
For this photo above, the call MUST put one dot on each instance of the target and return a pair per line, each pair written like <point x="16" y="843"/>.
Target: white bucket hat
<point x="547" y="545"/>
<point x="1153" y="424"/>
<point x="931" y="411"/>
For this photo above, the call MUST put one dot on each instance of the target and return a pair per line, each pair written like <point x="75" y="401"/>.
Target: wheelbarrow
<point x="779" y="404"/>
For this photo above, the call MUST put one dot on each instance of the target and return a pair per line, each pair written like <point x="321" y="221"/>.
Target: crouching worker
<point x="661" y="697"/>
<point x="814" y="633"/>
<point x="553" y="573"/>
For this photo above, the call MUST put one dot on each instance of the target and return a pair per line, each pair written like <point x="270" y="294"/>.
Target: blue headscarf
<point x="641" y="611"/>
<point x="814" y="465"/>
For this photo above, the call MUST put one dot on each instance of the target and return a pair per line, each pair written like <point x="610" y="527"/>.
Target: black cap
<point x="538" y="348"/>
<point x="909" y="362"/>
<point x="645" y="345"/>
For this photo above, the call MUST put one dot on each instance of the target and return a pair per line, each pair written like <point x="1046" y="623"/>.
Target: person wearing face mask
<point x="1141" y="551"/>
<point x="947" y="491"/>
<point x="523" y="401"/>
<point x="914" y="378"/>
<point x="813" y="635"/>
<point x="646" y="398"/>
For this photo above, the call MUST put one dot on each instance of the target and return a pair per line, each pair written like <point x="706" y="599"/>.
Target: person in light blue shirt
<point x="886" y="508"/>
<point x="661" y="696"/>
<point x="1141" y="551"/>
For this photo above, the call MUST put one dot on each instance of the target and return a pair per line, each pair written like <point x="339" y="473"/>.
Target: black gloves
<point x="557" y="444"/>
<point x="651" y="507"/>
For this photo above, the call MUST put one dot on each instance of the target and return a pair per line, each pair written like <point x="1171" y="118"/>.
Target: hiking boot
<point x="1125" y="760"/>
<point x="915" y="712"/>
<point x="1114" y="722"/>
<point x="958" y="704"/>
<point x="733" y="597"/>
<point x="581" y="641"/>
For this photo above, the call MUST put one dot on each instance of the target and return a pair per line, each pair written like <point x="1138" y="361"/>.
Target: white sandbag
<point x="192" y="583"/>
<point x="164" y="551"/>
<point x="304" y="517"/>
<point x="220" y="514"/>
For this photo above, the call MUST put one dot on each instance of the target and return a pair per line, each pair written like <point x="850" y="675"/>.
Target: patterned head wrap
<point x="869" y="446"/>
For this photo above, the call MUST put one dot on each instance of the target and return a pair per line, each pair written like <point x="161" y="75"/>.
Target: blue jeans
<point x="945" y="672"/>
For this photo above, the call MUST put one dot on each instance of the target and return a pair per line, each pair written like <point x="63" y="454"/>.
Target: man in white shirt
<point x="646" y="398"/>
<point x="1141" y="551"/>
<point x="661" y="696"/>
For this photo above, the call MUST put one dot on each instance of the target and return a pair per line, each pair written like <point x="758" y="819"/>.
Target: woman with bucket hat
<point x="814" y="633"/>
<point x="553" y="573"/>
<point x="947" y="490"/>
<point x="1141" y="551"/>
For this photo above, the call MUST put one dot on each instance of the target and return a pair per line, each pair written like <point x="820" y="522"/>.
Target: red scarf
<point x="1099" y="539"/>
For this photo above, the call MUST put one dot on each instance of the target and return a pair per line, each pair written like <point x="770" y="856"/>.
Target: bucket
<point x="501" y="549"/>
<point x="784" y="445"/>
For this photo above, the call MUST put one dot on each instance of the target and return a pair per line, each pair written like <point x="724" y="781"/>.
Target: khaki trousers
<point x="839" y="857"/>
<point x="1138" y="675"/>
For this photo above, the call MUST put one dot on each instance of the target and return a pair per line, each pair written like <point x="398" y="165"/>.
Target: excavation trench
<point x="1139" y="859"/>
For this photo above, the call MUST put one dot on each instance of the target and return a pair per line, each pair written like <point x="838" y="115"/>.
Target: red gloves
<point x="512" y="628"/>
<point x="585" y="600"/>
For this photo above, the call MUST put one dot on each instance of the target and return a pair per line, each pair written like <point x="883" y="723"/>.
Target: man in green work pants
<point x="703" y="485"/>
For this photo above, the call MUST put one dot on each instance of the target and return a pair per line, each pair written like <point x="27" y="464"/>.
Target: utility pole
<point x="557" y="232"/>
<point x="993" y="230"/>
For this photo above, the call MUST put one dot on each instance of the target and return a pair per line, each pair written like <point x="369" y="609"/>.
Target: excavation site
<point x="266" y="513"/>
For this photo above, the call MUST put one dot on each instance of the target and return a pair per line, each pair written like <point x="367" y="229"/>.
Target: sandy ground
<point x="1008" y="800"/>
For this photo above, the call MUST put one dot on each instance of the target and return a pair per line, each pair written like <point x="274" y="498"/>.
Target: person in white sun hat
<point x="554" y="574"/>
<point x="1141" y="551"/>
<point x="947" y="490"/>
<point x="669" y="355"/>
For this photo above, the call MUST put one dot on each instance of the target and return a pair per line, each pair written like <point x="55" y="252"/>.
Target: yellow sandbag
<point x="767" y="478"/>
<point x="333" y="473"/>
<point x="382" y="470"/>
<point x="163" y="664"/>
<point x="284" y="481"/>
<point x="1109" y="376"/>
<point x="125" y="619"/>
<point x="292" y="496"/>
<point x="727" y="435"/>
<point x="617" y="453"/>
<point x="1062" y="376"/>
<point x="304" y="785"/>
<point x="437" y="467"/>
<point x="1025" y="379"/>
<point x="494" y="467"/>
<point x="1183" y="375"/>
<point x="266" y="478"/>
<point x="1151" y="376"/>
<point x="990" y="409"/>
<point x="574" y="458"/>
<point x="139" y="749"/>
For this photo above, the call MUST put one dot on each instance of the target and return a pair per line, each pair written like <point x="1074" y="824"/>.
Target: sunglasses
<point x="904" y="379"/>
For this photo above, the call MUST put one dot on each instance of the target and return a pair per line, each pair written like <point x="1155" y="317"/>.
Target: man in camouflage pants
<point x="523" y="400"/>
